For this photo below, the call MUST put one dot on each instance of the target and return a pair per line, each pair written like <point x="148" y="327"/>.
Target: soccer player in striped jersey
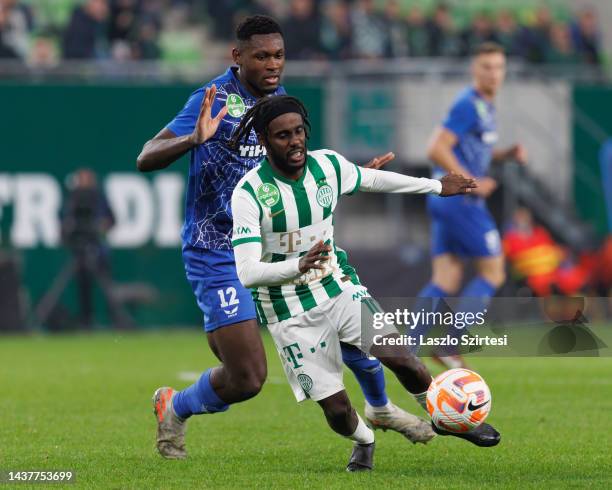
<point x="283" y="238"/>
<point x="229" y="312"/>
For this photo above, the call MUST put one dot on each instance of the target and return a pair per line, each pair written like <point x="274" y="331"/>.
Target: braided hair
<point x="265" y="110"/>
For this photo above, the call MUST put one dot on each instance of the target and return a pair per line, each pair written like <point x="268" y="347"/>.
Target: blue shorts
<point x="214" y="280"/>
<point x="462" y="225"/>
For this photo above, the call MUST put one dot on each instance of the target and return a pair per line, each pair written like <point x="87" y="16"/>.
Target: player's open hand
<point x="453" y="184"/>
<point x="206" y="125"/>
<point x="315" y="257"/>
<point x="379" y="161"/>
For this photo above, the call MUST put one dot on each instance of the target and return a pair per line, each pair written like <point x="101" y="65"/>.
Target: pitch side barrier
<point x="503" y="327"/>
<point x="521" y="186"/>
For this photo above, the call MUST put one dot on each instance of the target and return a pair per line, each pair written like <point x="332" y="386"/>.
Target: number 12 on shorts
<point x="228" y="299"/>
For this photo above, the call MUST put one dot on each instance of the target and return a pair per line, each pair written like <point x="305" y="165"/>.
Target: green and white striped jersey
<point x="288" y="217"/>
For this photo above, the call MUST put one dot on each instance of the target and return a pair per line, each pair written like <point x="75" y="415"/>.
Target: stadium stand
<point x="336" y="29"/>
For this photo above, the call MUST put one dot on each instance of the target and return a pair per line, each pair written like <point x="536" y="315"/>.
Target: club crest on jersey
<point x="235" y="105"/>
<point x="305" y="382"/>
<point x="268" y="195"/>
<point x="325" y="196"/>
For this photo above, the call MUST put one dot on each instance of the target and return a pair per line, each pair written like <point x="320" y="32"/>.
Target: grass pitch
<point x="83" y="403"/>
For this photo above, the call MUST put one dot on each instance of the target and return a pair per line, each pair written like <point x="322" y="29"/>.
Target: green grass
<point x="83" y="403"/>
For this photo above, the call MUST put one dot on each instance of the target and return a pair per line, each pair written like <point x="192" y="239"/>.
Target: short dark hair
<point x="257" y="24"/>
<point x="488" y="48"/>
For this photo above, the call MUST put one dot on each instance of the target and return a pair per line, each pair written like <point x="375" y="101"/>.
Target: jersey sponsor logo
<point x="243" y="230"/>
<point x="268" y="194"/>
<point x="325" y="196"/>
<point x="489" y="137"/>
<point x="251" y="151"/>
<point x="235" y="105"/>
<point x="293" y="352"/>
<point x="305" y="382"/>
<point x="290" y="240"/>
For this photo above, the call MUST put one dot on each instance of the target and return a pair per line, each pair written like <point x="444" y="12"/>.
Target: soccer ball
<point x="458" y="400"/>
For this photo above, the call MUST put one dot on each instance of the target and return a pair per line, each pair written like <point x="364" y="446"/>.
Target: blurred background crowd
<point x="44" y="32"/>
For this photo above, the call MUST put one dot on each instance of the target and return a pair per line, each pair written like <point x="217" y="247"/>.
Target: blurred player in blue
<point x="462" y="227"/>
<point x="229" y="311"/>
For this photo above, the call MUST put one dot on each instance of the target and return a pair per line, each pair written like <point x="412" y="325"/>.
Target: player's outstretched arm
<point x="165" y="148"/>
<point x="453" y="184"/>
<point x="382" y="181"/>
<point x="392" y="182"/>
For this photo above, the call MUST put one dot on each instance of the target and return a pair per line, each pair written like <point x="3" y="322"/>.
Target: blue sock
<point x="432" y="291"/>
<point x="427" y="302"/>
<point x="369" y="374"/>
<point x="479" y="287"/>
<point x="198" y="398"/>
<point x="475" y="298"/>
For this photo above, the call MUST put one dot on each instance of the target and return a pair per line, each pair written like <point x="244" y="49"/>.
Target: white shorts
<point x="309" y="344"/>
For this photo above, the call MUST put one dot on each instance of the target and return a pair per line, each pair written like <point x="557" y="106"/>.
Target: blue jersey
<point x="462" y="225"/>
<point x="472" y="119"/>
<point x="215" y="170"/>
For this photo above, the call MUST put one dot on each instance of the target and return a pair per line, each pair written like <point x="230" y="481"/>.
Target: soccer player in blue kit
<point x="229" y="311"/>
<point x="462" y="226"/>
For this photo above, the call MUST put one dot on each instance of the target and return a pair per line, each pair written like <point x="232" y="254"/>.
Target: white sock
<point x="383" y="408"/>
<point x="363" y="434"/>
<point x="421" y="399"/>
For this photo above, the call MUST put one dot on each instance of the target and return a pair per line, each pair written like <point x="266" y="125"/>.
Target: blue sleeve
<point x="184" y="122"/>
<point x="462" y="117"/>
